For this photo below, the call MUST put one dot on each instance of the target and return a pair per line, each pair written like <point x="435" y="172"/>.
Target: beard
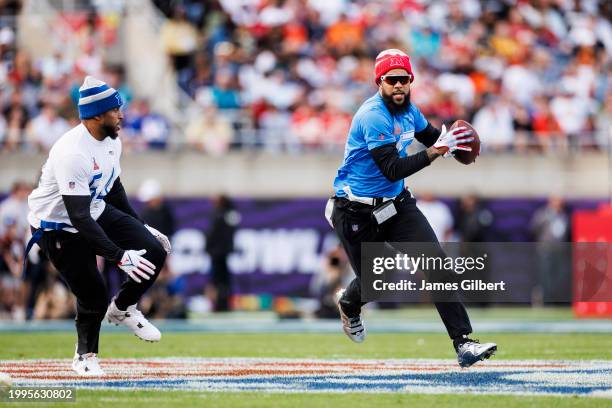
<point x="394" y="107"/>
<point x="110" y="131"/>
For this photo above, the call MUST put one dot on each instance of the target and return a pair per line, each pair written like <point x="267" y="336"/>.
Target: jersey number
<point x="105" y="190"/>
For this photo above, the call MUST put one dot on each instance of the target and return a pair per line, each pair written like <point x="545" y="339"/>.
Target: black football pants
<point x="354" y="225"/>
<point x="75" y="260"/>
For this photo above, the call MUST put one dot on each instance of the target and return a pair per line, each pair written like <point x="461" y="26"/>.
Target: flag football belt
<point x="380" y="208"/>
<point x="37" y="235"/>
<point x="375" y="201"/>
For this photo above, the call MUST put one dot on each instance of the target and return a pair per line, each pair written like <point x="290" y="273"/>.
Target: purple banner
<point x="279" y="245"/>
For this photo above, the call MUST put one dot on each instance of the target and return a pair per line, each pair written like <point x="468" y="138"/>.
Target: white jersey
<point x="78" y="164"/>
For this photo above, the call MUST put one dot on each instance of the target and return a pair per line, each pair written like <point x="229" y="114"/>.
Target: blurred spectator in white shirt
<point x="275" y="13"/>
<point x="46" y="128"/>
<point x="521" y="83"/>
<point x="460" y="85"/>
<point x="438" y="215"/>
<point x="494" y="123"/>
<point x="209" y="132"/>
<point x="55" y="66"/>
<point x="571" y="112"/>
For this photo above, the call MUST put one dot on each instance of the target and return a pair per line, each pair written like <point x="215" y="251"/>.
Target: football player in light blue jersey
<point x="371" y="202"/>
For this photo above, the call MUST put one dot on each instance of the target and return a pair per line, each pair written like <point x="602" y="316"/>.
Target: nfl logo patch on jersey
<point x="71" y="185"/>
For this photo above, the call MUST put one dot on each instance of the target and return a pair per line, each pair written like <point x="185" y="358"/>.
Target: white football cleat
<point x="353" y="326"/>
<point x="135" y="320"/>
<point x="87" y="365"/>
<point x="471" y="351"/>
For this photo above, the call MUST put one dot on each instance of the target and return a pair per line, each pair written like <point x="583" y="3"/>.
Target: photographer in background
<point x="219" y="245"/>
<point x="333" y="277"/>
<point x="550" y="227"/>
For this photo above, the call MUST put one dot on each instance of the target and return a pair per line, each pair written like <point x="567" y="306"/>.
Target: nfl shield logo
<point x="355" y="227"/>
<point x="71" y="185"/>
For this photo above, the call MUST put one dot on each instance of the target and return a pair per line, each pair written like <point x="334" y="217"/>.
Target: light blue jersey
<point x="374" y="126"/>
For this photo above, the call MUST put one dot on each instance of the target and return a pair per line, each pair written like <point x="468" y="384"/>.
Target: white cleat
<point x="472" y="352"/>
<point x="87" y="365"/>
<point x="135" y="320"/>
<point x="353" y="326"/>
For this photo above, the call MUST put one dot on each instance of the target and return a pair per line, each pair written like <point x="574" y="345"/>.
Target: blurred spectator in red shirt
<point x="546" y="128"/>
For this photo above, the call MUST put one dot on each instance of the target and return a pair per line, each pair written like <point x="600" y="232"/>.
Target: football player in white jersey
<point x="80" y="210"/>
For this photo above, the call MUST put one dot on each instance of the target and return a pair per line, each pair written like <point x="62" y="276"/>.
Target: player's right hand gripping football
<point x="453" y="140"/>
<point x="136" y="266"/>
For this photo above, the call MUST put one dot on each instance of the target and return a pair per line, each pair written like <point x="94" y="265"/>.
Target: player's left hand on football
<point x="454" y="139"/>
<point x="163" y="240"/>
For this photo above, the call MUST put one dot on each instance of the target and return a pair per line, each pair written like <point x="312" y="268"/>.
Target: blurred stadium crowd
<point x="288" y="74"/>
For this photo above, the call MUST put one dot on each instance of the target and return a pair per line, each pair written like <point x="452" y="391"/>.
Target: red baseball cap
<point x="390" y="59"/>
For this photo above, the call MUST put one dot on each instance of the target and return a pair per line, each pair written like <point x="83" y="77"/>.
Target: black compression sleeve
<point x="394" y="167"/>
<point x="80" y="218"/>
<point x="118" y="199"/>
<point x="428" y="136"/>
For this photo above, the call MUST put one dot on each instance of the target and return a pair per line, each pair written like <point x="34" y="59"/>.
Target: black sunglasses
<point x="392" y="79"/>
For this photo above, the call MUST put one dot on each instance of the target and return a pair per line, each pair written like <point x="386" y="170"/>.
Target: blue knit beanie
<point x="95" y="98"/>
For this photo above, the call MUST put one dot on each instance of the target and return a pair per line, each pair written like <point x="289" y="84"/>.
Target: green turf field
<point x="320" y="346"/>
<point x="409" y="345"/>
